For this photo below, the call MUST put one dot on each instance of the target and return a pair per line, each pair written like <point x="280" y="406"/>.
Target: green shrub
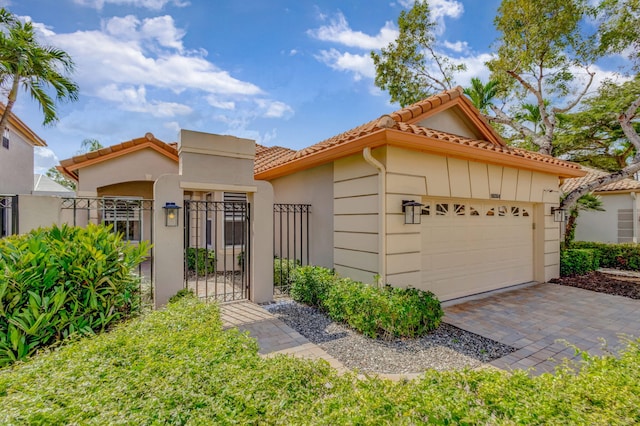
<point x="201" y="260"/>
<point x="182" y="294"/>
<point x="283" y="270"/>
<point x="178" y="366"/>
<point x="60" y="281"/>
<point x="386" y="312"/>
<point x="620" y="256"/>
<point x="310" y="284"/>
<point x="372" y="311"/>
<point x="578" y="261"/>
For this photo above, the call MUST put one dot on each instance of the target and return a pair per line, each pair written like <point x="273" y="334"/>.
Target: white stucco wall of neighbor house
<point x="315" y="187"/>
<point x="16" y="166"/>
<point x="618" y="223"/>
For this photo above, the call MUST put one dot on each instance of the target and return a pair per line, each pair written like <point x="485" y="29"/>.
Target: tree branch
<point x="627" y="126"/>
<point x="502" y="118"/>
<point x="575" y="102"/>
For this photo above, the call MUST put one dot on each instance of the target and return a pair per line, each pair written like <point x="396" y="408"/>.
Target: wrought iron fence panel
<point x="8" y="215"/>
<point x="217" y="247"/>
<point x="290" y="243"/>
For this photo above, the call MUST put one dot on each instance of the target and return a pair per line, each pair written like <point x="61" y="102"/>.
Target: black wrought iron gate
<point x="217" y="247"/>
<point x="290" y="243"/>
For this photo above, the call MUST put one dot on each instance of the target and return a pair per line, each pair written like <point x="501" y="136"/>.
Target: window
<point x="5" y="138"/>
<point x="459" y="209"/>
<point x="515" y="211"/>
<point x="125" y="217"/>
<point x="235" y="209"/>
<point x="473" y="211"/>
<point x="502" y="211"/>
<point x="442" y="209"/>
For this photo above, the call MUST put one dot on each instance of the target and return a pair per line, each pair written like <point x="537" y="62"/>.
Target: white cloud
<point x="147" y="4"/>
<point x="359" y="65"/>
<point x="458" y="46"/>
<point x="440" y="9"/>
<point x="43" y="159"/>
<point x="216" y="102"/>
<point x="338" y="31"/>
<point x="274" y="109"/>
<point x="134" y="99"/>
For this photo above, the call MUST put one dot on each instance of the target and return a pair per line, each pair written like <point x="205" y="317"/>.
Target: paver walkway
<point x="533" y="318"/>
<point x="273" y="335"/>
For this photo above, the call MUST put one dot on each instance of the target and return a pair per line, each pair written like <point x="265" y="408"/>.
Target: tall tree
<point x="89" y="145"/>
<point x="411" y="68"/>
<point x="541" y="47"/>
<point x="619" y="33"/>
<point x="25" y="63"/>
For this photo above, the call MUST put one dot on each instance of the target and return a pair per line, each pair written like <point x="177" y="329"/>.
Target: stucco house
<point x="483" y="210"/>
<point x="16" y="156"/>
<point x="618" y="223"/>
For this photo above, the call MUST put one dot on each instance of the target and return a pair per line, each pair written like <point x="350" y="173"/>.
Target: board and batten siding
<point x="422" y="176"/>
<point x="355" y="206"/>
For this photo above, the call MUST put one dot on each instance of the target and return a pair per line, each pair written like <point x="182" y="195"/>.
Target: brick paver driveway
<point x="531" y="319"/>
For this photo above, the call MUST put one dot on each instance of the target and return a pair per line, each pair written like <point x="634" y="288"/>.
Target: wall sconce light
<point x="558" y="214"/>
<point x="171" y="214"/>
<point x="412" y="210"/>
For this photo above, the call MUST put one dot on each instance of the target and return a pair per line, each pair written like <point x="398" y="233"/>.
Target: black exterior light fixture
<point x="412" y="210"/>
<point x="558" y="214"/>
<point x="171" y="214"/>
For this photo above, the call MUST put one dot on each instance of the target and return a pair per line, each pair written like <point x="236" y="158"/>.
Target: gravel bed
<point x="445" y="348"/>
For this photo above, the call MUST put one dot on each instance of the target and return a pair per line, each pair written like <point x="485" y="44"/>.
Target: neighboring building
<point x="16" y="156"/>
<point x="618" y="223"/>
<point x="486" y="207"/>
<point x="44" y="185"/>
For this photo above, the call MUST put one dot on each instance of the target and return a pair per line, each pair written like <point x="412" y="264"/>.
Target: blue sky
<point x="281" y="72"/>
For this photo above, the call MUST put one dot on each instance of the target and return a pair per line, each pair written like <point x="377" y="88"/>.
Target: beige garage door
<point x="468" y="247"/>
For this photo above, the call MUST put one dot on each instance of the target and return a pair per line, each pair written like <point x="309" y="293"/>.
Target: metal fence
<point x="8" y="215"/>
<point x="217" y="249"/>
<point x="131" y="217"/>
<point x="290" y="243"/>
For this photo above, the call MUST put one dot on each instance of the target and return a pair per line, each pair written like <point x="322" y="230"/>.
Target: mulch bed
<point x="603" y="283"/>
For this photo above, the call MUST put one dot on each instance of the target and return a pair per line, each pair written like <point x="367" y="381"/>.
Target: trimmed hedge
<point x="61" y="281"/>
<point x="373" y="311"/>
<point x="201" y="260"/>
<point x="578" y="261"/>
<point x="177" y="366"/>
<point x="619" y="256"/>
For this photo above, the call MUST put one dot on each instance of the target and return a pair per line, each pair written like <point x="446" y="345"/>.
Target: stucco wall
<point x="128" y="189"/>
<point x="603" y="226"/>
<point x="355" y="205"/>
<point x="451" y="121"/>
<point x="144" y="165"/>
<point x="315" y="187"/>
<point x="16" y="166"/>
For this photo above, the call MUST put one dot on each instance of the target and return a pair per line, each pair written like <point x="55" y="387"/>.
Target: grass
<point x="177" y="366"/>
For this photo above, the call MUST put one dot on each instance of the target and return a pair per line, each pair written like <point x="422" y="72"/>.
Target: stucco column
<point x="168" y="242"/>
<point x="261" y="243"/>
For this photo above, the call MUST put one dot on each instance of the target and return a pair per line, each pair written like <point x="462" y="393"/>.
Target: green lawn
<point x="177" y="366"/>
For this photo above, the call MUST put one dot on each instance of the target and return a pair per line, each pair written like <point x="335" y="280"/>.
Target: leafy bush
<point x="177" y="366"/>
<point x="182" y="294"/>
<point x="578" y="261"/>
<point x="283" y="270"/>
<point x="310" y="284"/>
<point x="386" y="312"/>
<point x="60" y="281"/>
<point x="373" y="311"/>
<point x="201" y="260"/>
<point x="620" y="256"/>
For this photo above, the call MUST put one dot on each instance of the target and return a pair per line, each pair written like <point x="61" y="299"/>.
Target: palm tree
<point x="482" y="95"/>
<point x="24" y="62"/>
<point x="588" y="202"/>
<point x="89" y="145"/>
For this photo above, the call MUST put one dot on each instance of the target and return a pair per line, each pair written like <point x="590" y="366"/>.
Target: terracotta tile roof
<point x="265" y="156"/>
<point x="398" y="120"/>
<point x="70" y="165"/>
<point x="627" y="184"/>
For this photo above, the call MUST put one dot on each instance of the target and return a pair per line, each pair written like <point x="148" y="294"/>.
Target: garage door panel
<point x="464" y="255"/>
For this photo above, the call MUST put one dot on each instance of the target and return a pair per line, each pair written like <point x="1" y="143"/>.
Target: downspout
<point x="635" y="217"/>
<point x="382" y="209"/>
